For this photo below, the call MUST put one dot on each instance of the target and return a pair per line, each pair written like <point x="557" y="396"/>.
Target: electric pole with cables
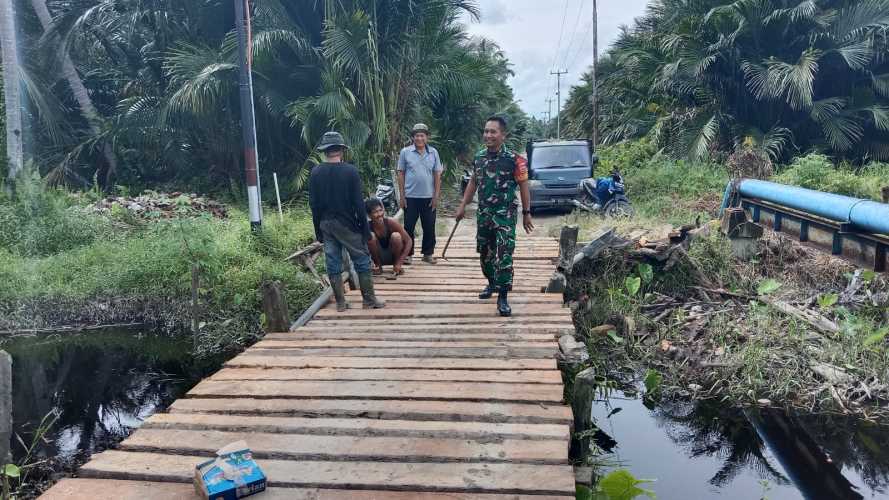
<point x="595" y="81"/>
<point x="248" y="114"/>
<point x="549" y="114"/>
<point x="559" y="74"/>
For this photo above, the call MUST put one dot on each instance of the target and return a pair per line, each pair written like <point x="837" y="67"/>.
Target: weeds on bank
<point x="14" y="477"/>
<point x="65" y="254"/>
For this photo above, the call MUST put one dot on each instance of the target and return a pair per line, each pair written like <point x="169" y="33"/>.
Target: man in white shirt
<point x="419" y="180"/>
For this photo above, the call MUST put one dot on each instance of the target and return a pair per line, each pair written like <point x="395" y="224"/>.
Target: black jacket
<point x="335" y="193"/>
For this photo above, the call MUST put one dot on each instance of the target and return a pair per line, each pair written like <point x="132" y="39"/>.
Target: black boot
<point x="370" y="300"/>
<point x="502" y="304"/>
<point x="488" y="292"/>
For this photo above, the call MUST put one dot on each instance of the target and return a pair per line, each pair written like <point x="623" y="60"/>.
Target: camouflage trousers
<point x="495" y="243"/>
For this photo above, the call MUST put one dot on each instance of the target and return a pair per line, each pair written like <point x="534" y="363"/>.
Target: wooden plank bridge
<point x="434" y="397"/>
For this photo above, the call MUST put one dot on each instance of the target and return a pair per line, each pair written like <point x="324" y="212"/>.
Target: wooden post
<point x="585" y="388"/>
<point x="567" y="248"/>
<point x="5" y="407"/>
<point x="274" y="306"/>
<point x="885" y="192"/>
<point x="195" y="285"/>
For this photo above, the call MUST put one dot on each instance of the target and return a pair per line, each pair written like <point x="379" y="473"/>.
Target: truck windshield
<point x="560" y="157"/>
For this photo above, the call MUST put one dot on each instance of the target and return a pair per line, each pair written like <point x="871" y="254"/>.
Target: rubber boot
<point x="488" y="292"/>
<point x="366" y="281"/>
<point x="502" y="304"/>
<point x="339" y="293"/>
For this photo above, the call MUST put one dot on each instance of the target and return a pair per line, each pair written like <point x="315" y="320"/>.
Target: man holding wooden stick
<point x="497" y="172"/>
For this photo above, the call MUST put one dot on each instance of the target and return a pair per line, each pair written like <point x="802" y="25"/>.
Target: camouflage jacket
<point x="497" y="177"/>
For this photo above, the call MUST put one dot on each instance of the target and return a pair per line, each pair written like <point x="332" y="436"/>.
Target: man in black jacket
<point x="340" y="221"/>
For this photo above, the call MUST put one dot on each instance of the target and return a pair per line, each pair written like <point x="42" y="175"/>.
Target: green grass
<point x="818" y="172"/>
<point x="672" y="191"/>
<point x="98" y="260"/>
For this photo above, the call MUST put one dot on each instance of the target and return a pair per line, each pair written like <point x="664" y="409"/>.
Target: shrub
<point x="38" y="221"/>
<point x="818" y="172"/>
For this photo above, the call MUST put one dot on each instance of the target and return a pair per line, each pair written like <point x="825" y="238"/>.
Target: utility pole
<point x="595" y="94"/>
<point x="559" y="74"/>
<point x="549" y="114"/>
<point x="248" y="117"/>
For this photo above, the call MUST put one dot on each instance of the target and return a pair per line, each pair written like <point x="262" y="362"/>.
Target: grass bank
<point x="61" y="263"/>
<point x="738" y="343"/>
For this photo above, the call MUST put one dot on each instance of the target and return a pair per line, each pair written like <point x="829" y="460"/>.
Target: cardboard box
<point x="231" y="475"/>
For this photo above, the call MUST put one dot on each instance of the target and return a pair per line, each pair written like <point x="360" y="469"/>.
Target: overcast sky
<point x="528" y="31"/>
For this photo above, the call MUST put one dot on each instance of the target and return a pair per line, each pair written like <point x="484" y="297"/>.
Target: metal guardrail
<point x="871" y="247"/>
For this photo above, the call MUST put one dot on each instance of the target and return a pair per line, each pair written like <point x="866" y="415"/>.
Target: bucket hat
<point x="331" y="139"/>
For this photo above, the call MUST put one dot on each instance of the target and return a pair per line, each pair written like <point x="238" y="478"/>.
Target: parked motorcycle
<point x="605" y="196"/>
<point x="386" y="194"/>
<point x="464" y="180"/>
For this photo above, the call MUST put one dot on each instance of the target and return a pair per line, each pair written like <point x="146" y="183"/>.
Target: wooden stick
<point x="454" y="230"/>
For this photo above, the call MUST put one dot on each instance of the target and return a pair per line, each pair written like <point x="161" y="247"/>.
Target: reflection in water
<point x="708" y="430"/>
<point x="707" y="450"/>
<point x="102" y="385"/>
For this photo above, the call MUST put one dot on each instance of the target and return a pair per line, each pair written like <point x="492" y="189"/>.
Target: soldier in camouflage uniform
<point x="497" y="172"/>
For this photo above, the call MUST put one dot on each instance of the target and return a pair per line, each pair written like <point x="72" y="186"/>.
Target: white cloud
<point x="528" y="31"/>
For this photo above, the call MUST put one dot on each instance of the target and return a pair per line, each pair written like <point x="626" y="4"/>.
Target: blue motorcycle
<point x="605" y="196"/>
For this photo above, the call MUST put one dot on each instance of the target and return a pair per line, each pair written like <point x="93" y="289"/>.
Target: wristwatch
<point x="526" y="212"/>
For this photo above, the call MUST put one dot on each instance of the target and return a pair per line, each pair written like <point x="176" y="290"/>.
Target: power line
<point x="586" y="35"/>
<point x="555" y="58"/>
<point x="573" y="32"/>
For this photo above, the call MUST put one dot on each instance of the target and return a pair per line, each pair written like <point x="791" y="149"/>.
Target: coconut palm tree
<point x="699" y="75"/>
<point x="11" y="89"/>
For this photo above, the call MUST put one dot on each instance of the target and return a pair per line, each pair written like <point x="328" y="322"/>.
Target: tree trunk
<point x="12" y="89"/>
<point x="81" y="94"/>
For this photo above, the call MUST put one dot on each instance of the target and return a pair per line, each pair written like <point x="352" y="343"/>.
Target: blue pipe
<point x="866" y="215"/>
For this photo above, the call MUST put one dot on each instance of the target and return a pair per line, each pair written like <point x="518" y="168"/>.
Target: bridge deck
<point x="433" y="397"/>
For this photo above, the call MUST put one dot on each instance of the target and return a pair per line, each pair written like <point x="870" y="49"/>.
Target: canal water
<point x="703" y="450"/>
<point x="103" y="385"/>
<point x="95" y="387"/>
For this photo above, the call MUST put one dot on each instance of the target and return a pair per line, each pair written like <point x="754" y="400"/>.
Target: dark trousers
<point x="418" y="208"/>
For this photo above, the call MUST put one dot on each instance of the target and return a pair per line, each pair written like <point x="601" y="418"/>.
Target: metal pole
<point x="559" y="100"/>
<point x="549" y="114"/>
<point x="595" y="96"/>
<point x="248" y="117"/>
<point x="278" y="197"/>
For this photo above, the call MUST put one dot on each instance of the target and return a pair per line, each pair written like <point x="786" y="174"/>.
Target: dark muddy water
<point x="702" y="450"/>
<point x="101" y="386"/>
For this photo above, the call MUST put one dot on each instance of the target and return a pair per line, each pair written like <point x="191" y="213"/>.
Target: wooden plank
<point x="426" y="292"/>
<point x="557" y="328"/>
<point x="502" y="376"/>
<point x="395" y="285"/>
<point x="112" y="489"/>
<point x="387" y="409"/>
<point x="251" y="359"/>
<point x="441" y="477"/>
<point x="415" y="336"/>
<point x="380" y="344"/>
<point x="310" y="447"/>
<point x="398" y="299"/>
<point x="436" y="311"/>
<point x="361" y="427"/>
<point x="459" y="391"/>
<point x="561" y="320"/>
<point x="494" y="321"/>
<point x="414" y="352"/>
